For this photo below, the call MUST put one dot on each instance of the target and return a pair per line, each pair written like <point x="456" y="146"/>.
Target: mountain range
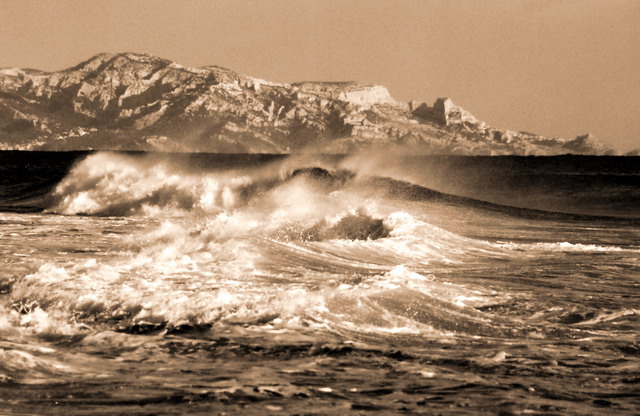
<point x="132" y="101"/>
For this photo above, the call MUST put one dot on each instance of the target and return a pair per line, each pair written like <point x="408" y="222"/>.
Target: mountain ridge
<point x="137" y="101"/>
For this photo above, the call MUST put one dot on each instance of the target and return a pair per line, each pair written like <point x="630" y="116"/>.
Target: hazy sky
<point x="558" y="68"/>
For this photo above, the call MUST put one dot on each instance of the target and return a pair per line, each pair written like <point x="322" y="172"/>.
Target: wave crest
<point x="358" y="226"/>
<point x="118" y="185"/>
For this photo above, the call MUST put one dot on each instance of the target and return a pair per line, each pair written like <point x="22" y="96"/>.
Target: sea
<point x="372" y="283"/>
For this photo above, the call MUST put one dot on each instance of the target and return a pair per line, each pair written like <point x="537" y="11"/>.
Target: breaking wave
<point x="261" y="274"/>
<point x="281" y="247"/>
<point x="290" y="245"/>
<point x="117" y="185"/>
<point x="111" y="184"/>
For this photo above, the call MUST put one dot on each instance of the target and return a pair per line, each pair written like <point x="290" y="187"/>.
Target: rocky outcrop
<point x="141" y="102"/>
<point x="587" y="143"/>
<point x="446" y="113"/>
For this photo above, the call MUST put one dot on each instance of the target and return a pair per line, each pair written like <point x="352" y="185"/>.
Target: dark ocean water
<point x="138" y="283"/>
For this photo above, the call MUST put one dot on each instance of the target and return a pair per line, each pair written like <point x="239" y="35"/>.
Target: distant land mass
<point x="132" y="101"/>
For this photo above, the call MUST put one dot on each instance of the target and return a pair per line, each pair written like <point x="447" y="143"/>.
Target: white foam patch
<point x="179" y="283"/>
<point x="609" y="316"/>
<point x="563" y="246"/>
<point x="31" y="367"/>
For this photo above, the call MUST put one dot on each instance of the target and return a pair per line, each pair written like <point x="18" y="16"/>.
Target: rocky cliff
<point x="142" y="102"/>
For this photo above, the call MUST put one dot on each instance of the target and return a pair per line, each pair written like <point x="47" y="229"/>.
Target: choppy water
<point x="186" y="284"/>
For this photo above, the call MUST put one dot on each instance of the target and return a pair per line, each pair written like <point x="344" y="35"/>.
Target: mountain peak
<point x="93" y="63"/>
<point x="96" y="61"/>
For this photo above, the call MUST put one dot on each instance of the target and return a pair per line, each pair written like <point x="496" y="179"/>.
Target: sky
<point x="552" y="67"/>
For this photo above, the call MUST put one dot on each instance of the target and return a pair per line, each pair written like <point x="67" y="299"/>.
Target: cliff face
<point x="141" y="102"/>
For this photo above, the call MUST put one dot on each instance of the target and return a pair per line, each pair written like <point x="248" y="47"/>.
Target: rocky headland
<point x="132" y="101"/>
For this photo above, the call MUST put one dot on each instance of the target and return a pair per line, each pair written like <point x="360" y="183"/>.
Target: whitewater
<point x="137" y="283"/>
